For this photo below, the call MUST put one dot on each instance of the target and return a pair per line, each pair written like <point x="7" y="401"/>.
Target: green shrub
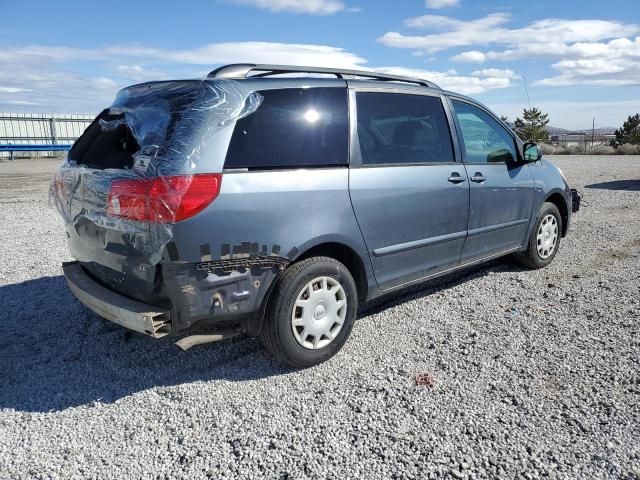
<point x="601" y="150"/>
<point x="628" y="149"/>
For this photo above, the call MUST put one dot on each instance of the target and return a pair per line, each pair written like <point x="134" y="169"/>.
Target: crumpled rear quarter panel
<point x="223" y="261"/>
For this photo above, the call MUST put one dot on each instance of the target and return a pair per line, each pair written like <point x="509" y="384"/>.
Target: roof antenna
<point x="526" y="90"/>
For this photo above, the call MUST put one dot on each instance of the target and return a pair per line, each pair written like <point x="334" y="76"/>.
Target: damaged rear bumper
<point x="207" y="293"/>
<point x="138" y="316"/>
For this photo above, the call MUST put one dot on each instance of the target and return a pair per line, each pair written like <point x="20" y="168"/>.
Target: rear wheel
<point x="311" y="313"/>
<point x="545" y="238"/>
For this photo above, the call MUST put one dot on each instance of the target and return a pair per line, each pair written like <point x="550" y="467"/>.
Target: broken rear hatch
<point x="136" y="170"/>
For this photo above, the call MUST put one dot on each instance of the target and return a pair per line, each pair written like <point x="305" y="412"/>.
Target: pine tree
<point x="533" y="127"/>
<point x="628" y="133"/>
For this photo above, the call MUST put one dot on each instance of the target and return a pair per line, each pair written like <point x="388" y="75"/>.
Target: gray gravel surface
<point x="537" y="372"/>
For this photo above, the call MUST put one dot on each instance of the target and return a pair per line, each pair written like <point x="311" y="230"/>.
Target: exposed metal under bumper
<point x="576" y="197"/>
<point x="191" y="341"/>
<point x="138" y="316"/>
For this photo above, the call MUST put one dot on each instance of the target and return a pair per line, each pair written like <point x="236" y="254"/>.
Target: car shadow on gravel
<point x="629" y="185"/>
<point x="56" y="354"/>
<point x="441" y="283"/>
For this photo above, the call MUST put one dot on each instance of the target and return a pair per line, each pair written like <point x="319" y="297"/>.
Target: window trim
<point x="355" y="155"/>
<point x="516" y="144"/>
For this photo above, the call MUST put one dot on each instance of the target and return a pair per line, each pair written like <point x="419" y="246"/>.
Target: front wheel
<point x="545" y="239"/>
<point x="311" y="313"/>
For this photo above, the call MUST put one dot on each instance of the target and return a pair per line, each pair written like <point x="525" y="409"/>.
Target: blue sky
<point x="580" y="59"/>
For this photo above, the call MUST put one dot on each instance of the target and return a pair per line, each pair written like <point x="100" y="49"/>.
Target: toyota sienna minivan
<point x="273" y="205"/>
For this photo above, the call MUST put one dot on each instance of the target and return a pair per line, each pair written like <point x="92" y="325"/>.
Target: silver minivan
<point x="273" y="200"/>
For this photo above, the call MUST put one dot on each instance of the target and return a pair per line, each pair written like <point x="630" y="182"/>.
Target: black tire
<point x="277" y="333"/>
<point x="530" y="257"/>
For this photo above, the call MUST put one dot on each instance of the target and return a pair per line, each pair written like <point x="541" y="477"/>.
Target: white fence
<point x="40" y="129"/>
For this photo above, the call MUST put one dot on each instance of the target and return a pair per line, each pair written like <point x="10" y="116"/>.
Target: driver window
<point x="485" y="140"/>
<point x="402" y="129"/>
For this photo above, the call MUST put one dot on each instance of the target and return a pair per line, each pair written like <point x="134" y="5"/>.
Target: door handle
<point x="456" y="178"/>
<point x="478" y="177"/>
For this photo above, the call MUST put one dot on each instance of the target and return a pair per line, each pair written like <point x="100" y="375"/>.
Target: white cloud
<point x="441" y="3"/>
<point x="610" y="64"/>
<point x="210" y="54"/>
<point x="553" y="49"/>
<point x="309" y="7"/>
<point x="432" y="21"/>
<point x="494" y="72"/>
<point x="13" y="89"/>
<point x="458" y="33"/>
<point x="254" y="52"/>
<point x="36" y="81"/>
<point x="44" y="75"/>
<point x="21" y="103"/>
<point x="594" y="52"/>
<point x="472" y="56"/>
<point x="490" y="30"/>
<point x="451" y="80"/>
<point x="40" y="78"/>
<point x="53" y="90"/>
<point x="139" y="73"/>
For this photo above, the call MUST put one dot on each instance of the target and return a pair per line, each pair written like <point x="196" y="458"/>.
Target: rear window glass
<point x="402" y="128"/>
<point x="294" y="127"/>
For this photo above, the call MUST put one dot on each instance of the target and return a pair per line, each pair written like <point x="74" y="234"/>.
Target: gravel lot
<point x="537" y="373"/>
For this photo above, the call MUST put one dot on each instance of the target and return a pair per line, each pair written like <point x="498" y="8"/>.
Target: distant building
<point x="568" y="139"/>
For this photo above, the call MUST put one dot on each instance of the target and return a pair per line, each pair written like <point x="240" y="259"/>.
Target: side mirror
<point x="531" y="152"/>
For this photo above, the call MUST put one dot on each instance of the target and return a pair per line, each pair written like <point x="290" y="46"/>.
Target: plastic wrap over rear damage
<point x="135" y="171"/>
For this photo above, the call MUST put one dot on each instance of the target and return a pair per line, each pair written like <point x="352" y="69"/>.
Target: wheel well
<point x="345" y="255"/>
<point x="558" y="201"/>
<point x="348" y="257"/>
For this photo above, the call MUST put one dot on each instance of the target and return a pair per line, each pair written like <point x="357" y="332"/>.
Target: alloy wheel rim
<point x="319" y="313"/>
<point x="547" y="237"/>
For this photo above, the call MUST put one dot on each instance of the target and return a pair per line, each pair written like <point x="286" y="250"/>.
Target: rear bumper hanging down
<point x="138" y="316"/>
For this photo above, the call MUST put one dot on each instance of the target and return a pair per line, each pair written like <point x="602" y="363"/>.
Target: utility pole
<point x="593" y="129"/>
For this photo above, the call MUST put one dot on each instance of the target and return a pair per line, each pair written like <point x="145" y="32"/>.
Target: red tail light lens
<point x="162" y="199"/>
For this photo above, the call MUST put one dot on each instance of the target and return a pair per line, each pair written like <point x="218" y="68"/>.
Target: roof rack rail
<point x="242" y="70"/>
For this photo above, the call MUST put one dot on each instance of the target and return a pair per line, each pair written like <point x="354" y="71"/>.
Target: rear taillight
<point x="162" y="199"/>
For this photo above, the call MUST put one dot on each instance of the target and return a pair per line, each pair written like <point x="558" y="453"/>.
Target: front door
<point x="409" y="194"/>
<point x="501" y="188"/>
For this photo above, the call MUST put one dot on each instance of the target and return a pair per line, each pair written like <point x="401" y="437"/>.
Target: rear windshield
<point x="162" y="127"/>
<point x="101" y="148"/>
<point x="293" y="127"/>
<point x="145" y="115"/>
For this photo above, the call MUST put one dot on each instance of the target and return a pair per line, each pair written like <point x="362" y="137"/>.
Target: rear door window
<point x="398" y="128"/>
<point x="293" y="127"/>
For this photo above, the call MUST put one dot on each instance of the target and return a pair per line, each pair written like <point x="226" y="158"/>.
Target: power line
<point x="524" y="80"/>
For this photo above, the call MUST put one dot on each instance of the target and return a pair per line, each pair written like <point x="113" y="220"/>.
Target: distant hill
<point x="557" y="130"/>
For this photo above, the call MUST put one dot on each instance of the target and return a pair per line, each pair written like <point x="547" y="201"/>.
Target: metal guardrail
<point x="39" y="132"/>
<point x="11" y="148"/>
